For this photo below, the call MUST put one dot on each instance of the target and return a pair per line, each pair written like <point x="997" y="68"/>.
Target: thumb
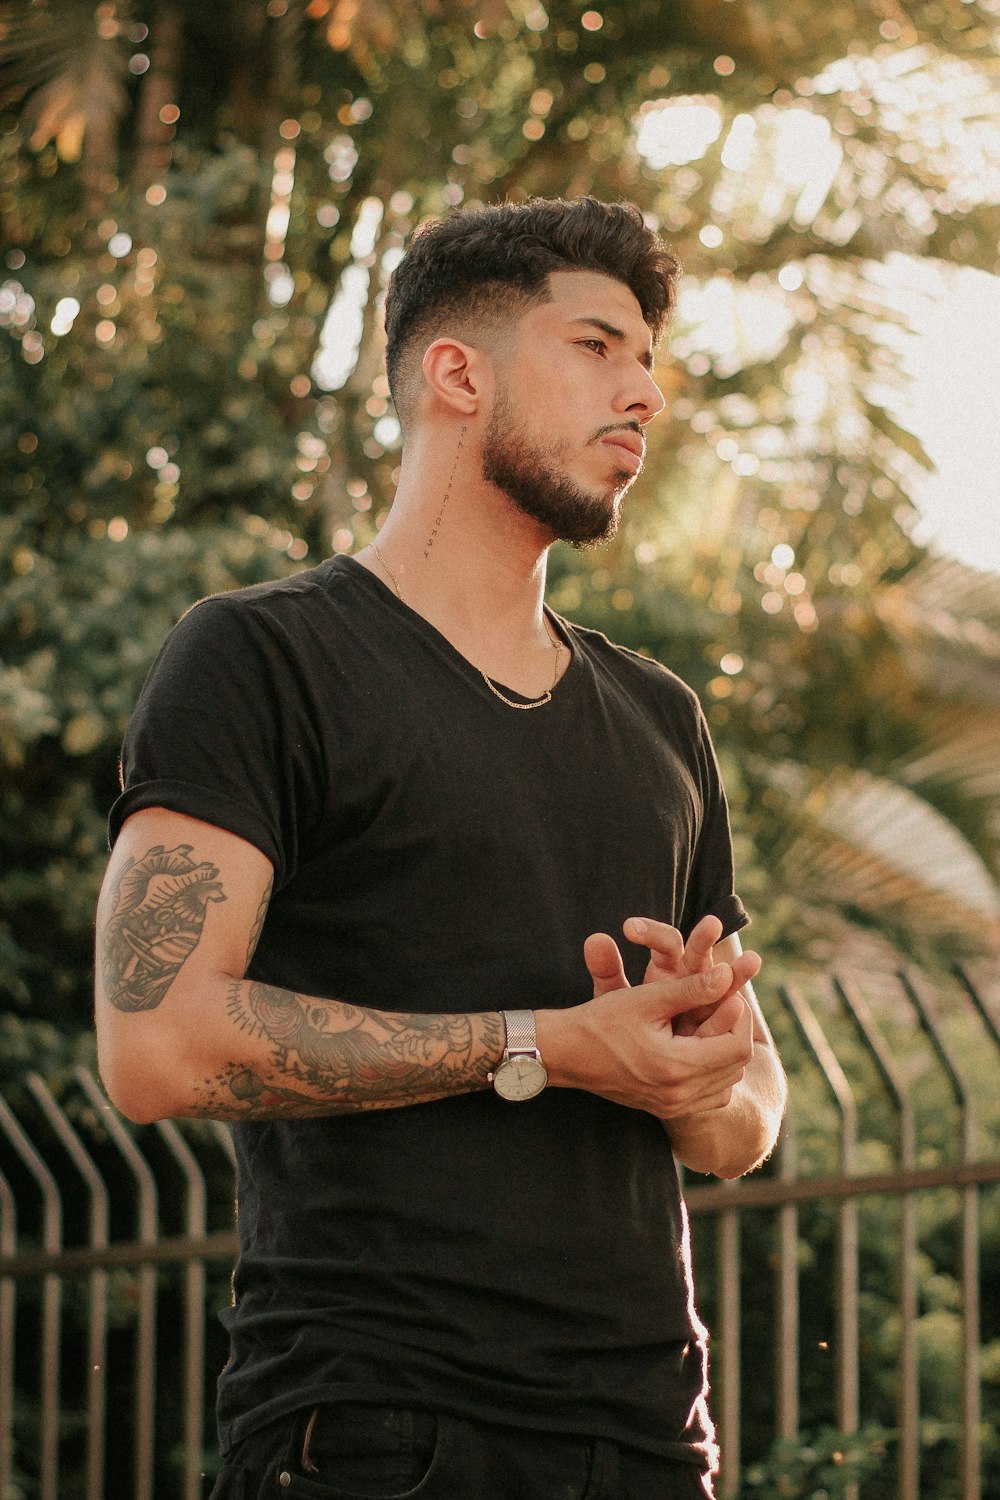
<point x="604" y="963"/>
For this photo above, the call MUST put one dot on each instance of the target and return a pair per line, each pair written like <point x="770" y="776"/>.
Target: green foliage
<point x="819" y="1465"/>
<point x="189" y="194"/>
<point x="80" y="623"/>
<point x="27" y="1045"/>
<point x="182" y="227"/>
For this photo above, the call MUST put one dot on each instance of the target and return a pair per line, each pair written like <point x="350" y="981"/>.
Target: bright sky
<point x="956" y="412"/>
<point x="954" y="406"/>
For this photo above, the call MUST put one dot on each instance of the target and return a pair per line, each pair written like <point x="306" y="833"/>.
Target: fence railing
<point x="116" y="1243"/>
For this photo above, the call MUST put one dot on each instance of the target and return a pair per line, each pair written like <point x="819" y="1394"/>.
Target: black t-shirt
<point x="437" y="850"/>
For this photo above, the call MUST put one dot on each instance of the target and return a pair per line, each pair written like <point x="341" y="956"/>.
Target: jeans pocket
<point x="361" y="1451"/>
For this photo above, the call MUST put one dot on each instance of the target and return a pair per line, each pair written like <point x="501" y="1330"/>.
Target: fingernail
<point x="638" y="926"/>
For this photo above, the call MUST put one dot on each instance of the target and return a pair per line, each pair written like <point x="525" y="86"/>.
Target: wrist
<point x="521" y="1074"/>
<point x="557" y="1032"/>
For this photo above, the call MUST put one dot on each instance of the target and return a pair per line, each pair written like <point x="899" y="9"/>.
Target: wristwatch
<point x="520" y="1074"/>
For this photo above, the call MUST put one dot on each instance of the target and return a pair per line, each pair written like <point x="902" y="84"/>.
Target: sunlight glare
<point x="340" y="339"/>
<point x="674" y="132"/>
<point x="737" y="152"/>
<point x="727" y="321"/>
<point x="954" y="408"/>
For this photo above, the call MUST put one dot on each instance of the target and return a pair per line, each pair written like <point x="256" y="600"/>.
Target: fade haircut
<point x="486" y="266"/>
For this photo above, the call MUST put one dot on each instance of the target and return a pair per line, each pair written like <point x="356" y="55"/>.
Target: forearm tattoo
<point x="159" y="904"/>
<point x="332" y="1058"/>
<point x="320" y="1057"/>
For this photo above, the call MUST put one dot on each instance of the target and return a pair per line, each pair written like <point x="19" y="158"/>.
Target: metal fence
<point x="116" y="1243"/>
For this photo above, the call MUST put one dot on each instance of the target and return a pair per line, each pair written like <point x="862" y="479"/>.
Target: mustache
<point x="618" y="427"/>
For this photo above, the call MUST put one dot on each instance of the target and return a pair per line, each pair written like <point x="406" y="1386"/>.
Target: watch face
<point x="520" y="1077"/>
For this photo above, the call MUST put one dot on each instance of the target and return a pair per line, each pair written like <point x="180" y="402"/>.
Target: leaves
<point x="868" y="842"/>
<point x="171" y="310"/>
<point x="65" y="60"/>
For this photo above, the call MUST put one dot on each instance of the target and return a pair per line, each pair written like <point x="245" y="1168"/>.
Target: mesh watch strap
<point x="520" y="1029"/>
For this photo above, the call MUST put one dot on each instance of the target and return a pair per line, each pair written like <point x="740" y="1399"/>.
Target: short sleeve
<point x="217" y="733"/>
<point x="710" y="885"/>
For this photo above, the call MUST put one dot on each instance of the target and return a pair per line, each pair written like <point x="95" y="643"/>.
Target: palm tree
<point x="213" y="192"/>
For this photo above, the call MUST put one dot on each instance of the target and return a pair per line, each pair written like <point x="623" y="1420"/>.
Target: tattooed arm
<point x="181" y="1031"/>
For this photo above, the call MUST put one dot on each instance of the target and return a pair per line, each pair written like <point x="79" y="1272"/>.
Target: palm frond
<point x="63" y="62"/>
<point x="946" y="616"/>
<point x="863" y="843"/>
<point x="960" y="750"/>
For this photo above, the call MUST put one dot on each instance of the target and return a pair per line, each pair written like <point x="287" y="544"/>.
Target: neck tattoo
<point x="447" y="491"/>
<point x="557" y="646"/>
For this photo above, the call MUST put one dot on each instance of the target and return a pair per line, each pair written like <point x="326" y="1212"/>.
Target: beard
<point x="529" y="474"/>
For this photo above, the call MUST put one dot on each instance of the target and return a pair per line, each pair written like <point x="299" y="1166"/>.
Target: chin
<point x="601" y="528"/>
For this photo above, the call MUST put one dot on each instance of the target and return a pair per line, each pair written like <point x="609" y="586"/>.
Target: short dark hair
<point x="493" y="262"/>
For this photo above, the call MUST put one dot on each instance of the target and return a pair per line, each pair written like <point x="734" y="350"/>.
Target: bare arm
<point x="740" y="1135"/>
<point x="181" y="1031"/>
<point x="731" y="1130"/>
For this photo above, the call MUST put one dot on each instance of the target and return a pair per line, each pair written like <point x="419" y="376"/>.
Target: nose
<point x="641" y="398"/>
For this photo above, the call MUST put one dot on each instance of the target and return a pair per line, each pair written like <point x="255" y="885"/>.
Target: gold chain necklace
<point x="556" y="642"/>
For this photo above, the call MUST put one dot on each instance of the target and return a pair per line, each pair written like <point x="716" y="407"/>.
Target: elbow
<point x="738" y="1144"/>
<point x="749" y="1152"/>
<point x="139" y="1100"/>
<point x="138" y="1086"/>
<point x="730" y="1171"/>
<point x="732" y="1164"/>
<point x="725" y="1164"/>
<point x="150" y="1060"/>
<point x="142" y="1110"/>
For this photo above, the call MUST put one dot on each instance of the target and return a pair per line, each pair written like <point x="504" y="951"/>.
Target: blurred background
<point x="200" y="206"/>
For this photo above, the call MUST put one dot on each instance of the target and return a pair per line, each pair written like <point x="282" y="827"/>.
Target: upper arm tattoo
<point x="159" y="904"/>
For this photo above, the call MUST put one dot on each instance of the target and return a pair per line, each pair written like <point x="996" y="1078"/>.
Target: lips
<point x="628" y="447"/>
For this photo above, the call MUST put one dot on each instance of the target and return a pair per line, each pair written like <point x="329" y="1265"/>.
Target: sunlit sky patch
<point x="955" y="408"/>
<point x="673" y="132"/>
<point x="943" y="107"/>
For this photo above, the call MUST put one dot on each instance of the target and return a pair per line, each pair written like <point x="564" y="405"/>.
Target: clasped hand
<point x="678" y="1043"/>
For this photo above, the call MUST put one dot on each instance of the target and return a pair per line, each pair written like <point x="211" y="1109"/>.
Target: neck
<point x="464" y="558"/>
<point x="461" y="554"/>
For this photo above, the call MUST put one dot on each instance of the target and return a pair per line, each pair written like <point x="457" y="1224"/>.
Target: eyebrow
<point x="618" y="334"/>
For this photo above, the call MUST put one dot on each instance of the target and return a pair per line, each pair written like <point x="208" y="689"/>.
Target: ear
<point x="458" y="375"/>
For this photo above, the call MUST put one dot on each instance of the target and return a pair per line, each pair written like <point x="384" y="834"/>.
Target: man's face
<point x="574" y="392"/>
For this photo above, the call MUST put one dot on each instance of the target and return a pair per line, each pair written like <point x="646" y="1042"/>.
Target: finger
<point x="744" y="968"/>
<point x="700" y="1089"/>
<point x="671" y="997"/>
<point x="660" y="938"/>
<point x="711" y="1101"/>
<point x="666" y="947"/>
<point x="604" y="963"/>
<point x="726" y="1017"/>
<point x="698" y="948"/>
<point x="713" y="1061"/>
<point x="747" y="966"/>
<point x="711" y="1020"/>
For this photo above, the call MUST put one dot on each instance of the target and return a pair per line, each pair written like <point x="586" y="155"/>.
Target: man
<point x="378" y="825"/>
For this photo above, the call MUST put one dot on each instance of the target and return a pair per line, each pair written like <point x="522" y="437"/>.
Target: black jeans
<point x="358" y="1451"/>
